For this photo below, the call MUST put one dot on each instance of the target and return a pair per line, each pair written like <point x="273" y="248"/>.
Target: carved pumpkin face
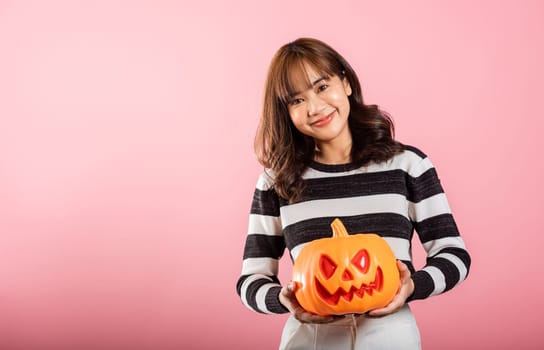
<point x="346" y="273"/>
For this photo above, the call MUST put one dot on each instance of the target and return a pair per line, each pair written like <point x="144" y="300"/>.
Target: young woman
<point x="328" y="155"/>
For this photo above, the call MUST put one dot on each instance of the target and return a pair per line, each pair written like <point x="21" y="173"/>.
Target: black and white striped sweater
<point x="391" y="198"/>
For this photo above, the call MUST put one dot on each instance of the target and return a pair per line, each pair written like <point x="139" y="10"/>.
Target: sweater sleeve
<point x="448" y="261"/>
<point x="258" y="285"/>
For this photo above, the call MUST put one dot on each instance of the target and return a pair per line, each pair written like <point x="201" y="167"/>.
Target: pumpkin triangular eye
<point x="327" y="266"/>
<point x="361" y="261"/>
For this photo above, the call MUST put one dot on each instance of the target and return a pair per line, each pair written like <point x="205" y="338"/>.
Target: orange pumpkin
<point x="345" y="273"/>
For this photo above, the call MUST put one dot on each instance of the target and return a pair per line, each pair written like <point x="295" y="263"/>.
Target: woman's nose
<point x="315" y="105"/>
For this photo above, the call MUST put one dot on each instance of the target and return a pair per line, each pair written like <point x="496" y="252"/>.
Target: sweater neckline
<point x="332" y="168"/>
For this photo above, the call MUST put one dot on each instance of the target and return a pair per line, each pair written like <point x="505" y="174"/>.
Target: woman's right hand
<point x="288" y="299"/>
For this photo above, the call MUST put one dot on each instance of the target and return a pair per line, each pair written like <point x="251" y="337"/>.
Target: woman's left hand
<point x="406" y="289"/>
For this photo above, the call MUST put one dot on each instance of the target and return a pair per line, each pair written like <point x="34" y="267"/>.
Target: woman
<point x="329" y="155"/>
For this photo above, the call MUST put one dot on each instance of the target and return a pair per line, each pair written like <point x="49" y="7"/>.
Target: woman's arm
<point x="448" y="261"/>
<point x="258" y="285"/>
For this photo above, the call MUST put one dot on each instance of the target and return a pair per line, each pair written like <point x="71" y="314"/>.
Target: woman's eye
<point x="296" y="101"/>
<point x="322" y="87"/>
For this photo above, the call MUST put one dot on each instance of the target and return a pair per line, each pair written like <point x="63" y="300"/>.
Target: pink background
<point x="126" y="162"/>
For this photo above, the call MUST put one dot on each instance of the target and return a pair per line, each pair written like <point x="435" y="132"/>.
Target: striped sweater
<point x="392" y="198"/>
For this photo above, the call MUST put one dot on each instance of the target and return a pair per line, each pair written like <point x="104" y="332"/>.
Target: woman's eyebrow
<point x="315" y="82"/>
<point x="318" y="80"/>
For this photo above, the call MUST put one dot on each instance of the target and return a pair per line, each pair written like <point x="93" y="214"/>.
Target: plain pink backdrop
<point x="126" y="162"/>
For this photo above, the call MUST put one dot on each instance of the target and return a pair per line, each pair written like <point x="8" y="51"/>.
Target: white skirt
<point x="397" y="331"/>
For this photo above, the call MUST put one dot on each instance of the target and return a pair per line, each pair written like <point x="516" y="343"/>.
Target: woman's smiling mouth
<point x="324" y="120"/>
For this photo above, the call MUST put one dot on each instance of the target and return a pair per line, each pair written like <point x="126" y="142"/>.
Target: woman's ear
<point x="347" y="86"/>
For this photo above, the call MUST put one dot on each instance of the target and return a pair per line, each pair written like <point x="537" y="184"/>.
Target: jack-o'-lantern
<point x="345" y="273"/>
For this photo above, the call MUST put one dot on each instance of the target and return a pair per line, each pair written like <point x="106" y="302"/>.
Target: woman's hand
<point x="406" y="289"/>
<point x="287" y="298"/>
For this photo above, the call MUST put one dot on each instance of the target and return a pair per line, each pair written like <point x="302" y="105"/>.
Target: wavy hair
<point x="280" y="147"/>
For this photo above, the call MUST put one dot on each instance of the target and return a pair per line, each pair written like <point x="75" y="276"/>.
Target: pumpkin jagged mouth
<point x="333" y="299"/>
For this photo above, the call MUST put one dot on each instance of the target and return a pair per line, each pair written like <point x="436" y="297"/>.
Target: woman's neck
<point x="327" y="153"/>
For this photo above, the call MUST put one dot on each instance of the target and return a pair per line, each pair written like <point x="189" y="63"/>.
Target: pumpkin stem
<point x="338" y="229"/>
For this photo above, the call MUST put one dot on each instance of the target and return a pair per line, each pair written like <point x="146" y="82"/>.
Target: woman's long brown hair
<point x="280" y="147"/>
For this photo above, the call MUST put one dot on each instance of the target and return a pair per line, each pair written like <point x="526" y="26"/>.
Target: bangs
<point x="293" y="76"/>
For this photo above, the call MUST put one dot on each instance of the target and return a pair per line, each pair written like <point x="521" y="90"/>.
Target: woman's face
<point x="322" y="110"/>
